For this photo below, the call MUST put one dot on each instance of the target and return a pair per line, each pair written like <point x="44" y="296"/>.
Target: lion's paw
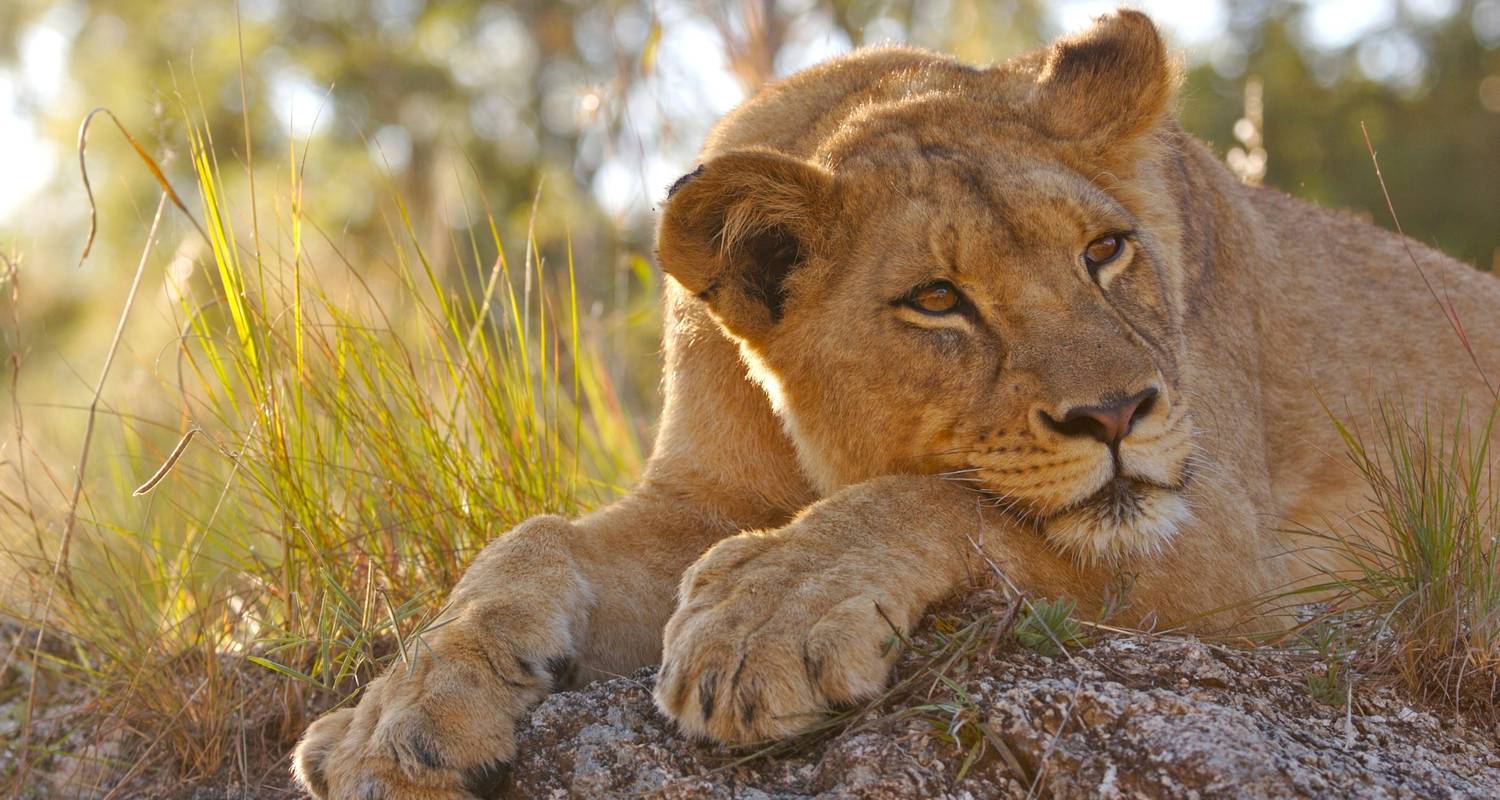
<point x="770" y="634"/>
<point x="440" y="725"/>
<point x="444" y="730"/>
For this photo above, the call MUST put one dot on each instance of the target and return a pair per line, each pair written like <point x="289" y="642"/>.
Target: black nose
<point x="1108" y="422"/>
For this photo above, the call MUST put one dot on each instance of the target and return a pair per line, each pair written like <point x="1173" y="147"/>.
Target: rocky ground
<point x="1123" y="717"/>
<point x="1120" y="716"/>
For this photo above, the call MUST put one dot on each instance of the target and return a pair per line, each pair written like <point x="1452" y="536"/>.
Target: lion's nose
<point x="1107" y="422"/>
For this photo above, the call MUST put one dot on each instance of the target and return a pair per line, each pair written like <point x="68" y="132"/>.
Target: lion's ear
<point x="735" y="230"/>
<point x="1106" y="88"/>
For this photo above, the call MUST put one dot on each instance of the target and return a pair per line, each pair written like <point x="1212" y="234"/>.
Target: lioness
<point x="926" y="322"/>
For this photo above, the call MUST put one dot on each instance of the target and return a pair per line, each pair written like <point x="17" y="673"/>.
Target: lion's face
<point x="984" y="300"/>
<point x="1000" y="320"/>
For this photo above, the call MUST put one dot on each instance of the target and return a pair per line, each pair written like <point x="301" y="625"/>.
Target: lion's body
<point x="1296" y="316"/>
<point x="816" y="437"/>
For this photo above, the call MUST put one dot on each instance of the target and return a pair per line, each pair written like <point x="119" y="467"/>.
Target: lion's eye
<point x="940" y="297"/>
<point x="1103" y="250"/>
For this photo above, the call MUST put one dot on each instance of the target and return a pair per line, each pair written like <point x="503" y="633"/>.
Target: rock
<point x="1123" y="717"/>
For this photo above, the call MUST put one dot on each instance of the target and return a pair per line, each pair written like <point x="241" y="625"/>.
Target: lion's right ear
<point x="736" y="229"/>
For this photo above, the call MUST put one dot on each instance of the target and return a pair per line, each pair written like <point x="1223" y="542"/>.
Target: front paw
<point x="419" y="735"/>
<point x="443" y="730"/>
<point x="440" y="725"/>
<point x="771" y="632"/>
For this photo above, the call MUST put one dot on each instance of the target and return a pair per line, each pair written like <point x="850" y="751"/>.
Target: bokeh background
<point x="594" y="107"/>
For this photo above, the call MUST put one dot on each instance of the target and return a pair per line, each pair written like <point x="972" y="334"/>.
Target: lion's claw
<point x="764" y="643"/>
<point x="486" y="781"/>
<point x="441" y="725"/>
<point x="440" y="732"/>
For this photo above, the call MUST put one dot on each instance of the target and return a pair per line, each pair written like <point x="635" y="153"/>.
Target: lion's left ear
<point x="1105" y="89"/>
<point x="736" y="229"/>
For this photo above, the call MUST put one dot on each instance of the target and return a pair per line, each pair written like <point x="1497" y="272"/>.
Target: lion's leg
<point x="775" y="627"/>
<point x="555" y="601"/>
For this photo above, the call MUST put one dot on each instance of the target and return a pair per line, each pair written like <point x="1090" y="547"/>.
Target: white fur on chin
<point x="1099" y="532"/>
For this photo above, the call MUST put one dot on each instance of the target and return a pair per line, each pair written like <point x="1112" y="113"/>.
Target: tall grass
<point x="1420" y="595"/>
<point x="337" y="442"/>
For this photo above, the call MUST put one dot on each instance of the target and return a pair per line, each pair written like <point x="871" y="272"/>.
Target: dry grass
<point x="1421" y="601"/>
<point x="320" y="451"/>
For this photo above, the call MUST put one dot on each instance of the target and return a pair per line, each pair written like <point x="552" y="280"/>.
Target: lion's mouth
<point x="1122" y="497"/>
<point x="1119" y="499"/>
<point x="1126" y="517"/>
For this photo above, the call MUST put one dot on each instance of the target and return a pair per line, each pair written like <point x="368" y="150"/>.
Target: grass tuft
<point x="1421" y="600"/>
<point x="312" y="460"/>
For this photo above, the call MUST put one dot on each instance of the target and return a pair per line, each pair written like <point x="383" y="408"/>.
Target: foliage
<point x="1422" y="599"/>
<point x="1048" y="627"/>
<point x="326" y="463"/>
<point x="1436" y="121"/>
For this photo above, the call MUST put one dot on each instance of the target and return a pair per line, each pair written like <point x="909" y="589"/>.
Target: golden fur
<point x="831" y="460"/>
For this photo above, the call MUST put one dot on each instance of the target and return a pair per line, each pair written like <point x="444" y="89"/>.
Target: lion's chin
<point x="1125" y="520"/>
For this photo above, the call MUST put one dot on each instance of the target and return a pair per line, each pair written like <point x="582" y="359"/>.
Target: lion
<point x="927" y="322"/>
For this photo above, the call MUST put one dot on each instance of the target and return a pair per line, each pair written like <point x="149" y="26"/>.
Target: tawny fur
<point x="856" y="460"/>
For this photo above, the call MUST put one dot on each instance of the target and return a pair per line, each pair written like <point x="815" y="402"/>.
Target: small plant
<point x="960" y="723"/>
<point x="1328" y="686"/>
<point x="1048" y="627"/>
<point x="1328" y="682"/>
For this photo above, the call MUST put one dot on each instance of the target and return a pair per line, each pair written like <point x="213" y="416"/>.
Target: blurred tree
<point x="1417" y="83"/>
<point x="518" y="92"/>
<point x="602" y="104"/>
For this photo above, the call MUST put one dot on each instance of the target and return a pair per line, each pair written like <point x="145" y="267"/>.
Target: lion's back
<point x="1359" y="324"/>
<point x="1368" y="301"/>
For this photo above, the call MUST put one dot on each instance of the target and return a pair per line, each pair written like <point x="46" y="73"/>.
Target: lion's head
<point x="976" y="273"/>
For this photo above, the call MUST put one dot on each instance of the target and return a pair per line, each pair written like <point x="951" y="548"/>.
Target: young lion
<point x="927" y="322"/>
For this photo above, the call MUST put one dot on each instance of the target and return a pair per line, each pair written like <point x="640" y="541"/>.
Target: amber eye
<point x="1103" y="250"/>
<point x="940" y="297"/>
